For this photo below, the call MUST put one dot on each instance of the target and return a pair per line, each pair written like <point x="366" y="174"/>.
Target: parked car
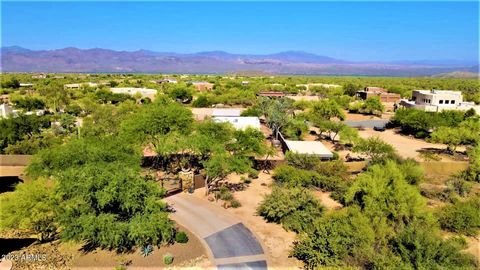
<point x="379" y="128"/>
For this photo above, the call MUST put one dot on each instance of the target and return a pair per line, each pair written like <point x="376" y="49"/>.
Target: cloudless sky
<point x="381" y="31"/>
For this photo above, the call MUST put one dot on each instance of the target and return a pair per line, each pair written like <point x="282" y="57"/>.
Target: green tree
<point x="15" y="129"/>
<point x="111" y="206"/>
<point x="348" y="135"/>
<point x="383" y="195"/>
<point x="334" y="238"/>
<point x="12" y="83"/>
<point x="373" y="105"/>
<point x="350" y="89"/>
<point x="375" y="149"/>
<point x="452" y="137"/>
<point x="326" y="109"/>
<point x="181" y="94"/>
<point x="155" y="120"/>
<point x="201" y="102"/>
<point x="32" y="207"/>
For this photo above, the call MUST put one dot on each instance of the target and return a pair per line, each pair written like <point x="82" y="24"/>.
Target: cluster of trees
<point x="384" y="224"/>
<point x="21" y="128"/>
<point x="90" y="190"/>
<point x="421" y="123"/>
<point x="371" y="105"/>
<point x="29" y="103"/>
<point x="215" y="147"/>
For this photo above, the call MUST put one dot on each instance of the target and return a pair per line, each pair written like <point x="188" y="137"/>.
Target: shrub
<point x="302" y="161"/>
<point x="294" y="208"/>
<point x="201" y="102"/>
<point x="252" y="111"/>
<point x="181" y="237"/>
<point x="224" y="194"/>
<point x="335" y="237"/>
<point x="412" y="171"/>
<point x="246" y="180"/>
<point x="253" y="174"/>
<point x="168" y="259"/>
<point x="461" y="217"/>
<point x="234" y="203"/>
<point x="421" y="248"/>
<point x="292" y="177"/>
<point x="459" y="186"/>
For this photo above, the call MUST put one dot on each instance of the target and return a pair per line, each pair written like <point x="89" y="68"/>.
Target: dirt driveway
<point x="406" y="146"/>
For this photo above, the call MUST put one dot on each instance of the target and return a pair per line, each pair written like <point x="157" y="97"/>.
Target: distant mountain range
<point x="18" y="59"/>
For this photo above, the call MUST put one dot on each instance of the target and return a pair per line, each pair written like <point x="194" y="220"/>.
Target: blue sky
<point x="381" y="31"/>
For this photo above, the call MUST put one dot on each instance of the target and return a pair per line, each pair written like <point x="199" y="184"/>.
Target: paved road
<point x="230" y="244"/>
<point x="367" y="123"/>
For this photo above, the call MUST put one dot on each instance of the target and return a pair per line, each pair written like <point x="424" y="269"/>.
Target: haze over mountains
<point x="18" y="59"/>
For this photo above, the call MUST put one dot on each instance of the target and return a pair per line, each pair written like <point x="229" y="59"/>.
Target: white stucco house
<point x="438" y="100"/>
<point x="240" y="122"/>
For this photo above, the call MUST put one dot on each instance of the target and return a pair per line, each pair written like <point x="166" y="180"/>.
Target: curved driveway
<point x="231" y="245"/>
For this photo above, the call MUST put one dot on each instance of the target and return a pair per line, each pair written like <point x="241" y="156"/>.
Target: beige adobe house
<point x="39" y="76"/>
<point x="438" y="100"/>
<point x="202" y="86"/>
<point x="382" y="93"/>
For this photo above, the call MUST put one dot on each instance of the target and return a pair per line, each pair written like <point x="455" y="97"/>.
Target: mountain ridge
<point x="72" y="59"/>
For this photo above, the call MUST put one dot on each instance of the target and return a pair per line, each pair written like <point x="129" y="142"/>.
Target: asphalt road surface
<point x="367" y="123"/>
<point x="230" y="243"/>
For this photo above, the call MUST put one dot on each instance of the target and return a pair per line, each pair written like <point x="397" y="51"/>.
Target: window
<point x="441" y="101"/>
<point x="446" y="101"/>
<point x="453" y="102"/>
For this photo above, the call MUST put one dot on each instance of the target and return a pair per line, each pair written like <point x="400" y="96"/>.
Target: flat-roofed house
<point x="382" y="93"/>
<point x="39" y="76"/>
<point x="241" y="122"/>
<point x="202" y="86"/>
<point x="145" y="92"/>
<point x="315" y="148"/>
<point x="226" y="112"/>
<point x="438" y="100"/>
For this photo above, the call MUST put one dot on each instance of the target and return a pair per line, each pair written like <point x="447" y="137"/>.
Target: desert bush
<point x="181" y="237"/>
<point x="294" y="208"/>
<point x="334" y="238"/>
<point x="302" y="161"/>
<point x="224" y="194"/>
<point x="253" y="174"/>
<point x="168" y="259"/>
<point x="461" y="217"/>
<point x="234" y="203"/>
